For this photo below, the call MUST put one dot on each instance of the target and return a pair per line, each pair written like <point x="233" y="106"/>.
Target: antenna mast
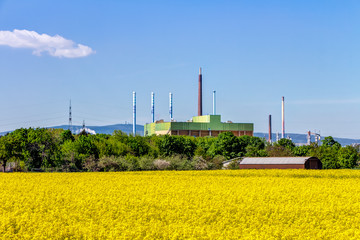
<point x="70" y="117"/>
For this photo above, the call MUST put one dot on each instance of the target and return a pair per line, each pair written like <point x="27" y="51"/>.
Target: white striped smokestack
<point x="134" y="113"/>
<point x="152" y="107"/>
<point x="171" y="106"/>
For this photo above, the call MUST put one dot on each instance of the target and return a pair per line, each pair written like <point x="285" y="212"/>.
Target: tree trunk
<point x="4" y="165"/>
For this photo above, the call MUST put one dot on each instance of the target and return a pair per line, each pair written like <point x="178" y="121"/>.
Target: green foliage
<point x="146" y="163"/>
<point x="203" y="145"/>
<point x="179" y="162"/>
<point x="255" y="146"/>
<point x="333" y="156"/>
<point x="301" y="151"/>
<point x="67" y="135"/>
<point x="176" y="145"/>
<point x="56" y="149"/>
<point x="235" y="164"/>
<point x="278" y="151"/>
<point x="286" y="143"/>
<point x="112" y="164"/>
<point x="6" y="150"/>
<point x="327" y="155"/>
<point x="348" y="157"/>
<point x="227" y="145"/>
<point x="137" y="144"/>
<point x="330" y="142"/>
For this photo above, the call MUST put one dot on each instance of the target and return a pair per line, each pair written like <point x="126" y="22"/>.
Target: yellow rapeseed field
<point x="229" y="204"/>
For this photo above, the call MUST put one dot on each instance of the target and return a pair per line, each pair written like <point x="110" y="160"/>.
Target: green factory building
<point x="199" y="126"/>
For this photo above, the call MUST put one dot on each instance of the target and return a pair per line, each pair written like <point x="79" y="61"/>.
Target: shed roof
<point x="275" y="160"/>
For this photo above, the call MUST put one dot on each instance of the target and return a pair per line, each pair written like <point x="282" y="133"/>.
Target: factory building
<point x="198" y="126"/>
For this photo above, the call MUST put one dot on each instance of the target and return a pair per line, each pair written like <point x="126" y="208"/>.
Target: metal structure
<point x="152" y="107"/>
<point x="70" y="117"/>
<point x="283" y="118"/>
<point x="200" y="94"/>
<point x="134" y="113"/>
<point x="270" y="130"/>
<point x="316" y="136"/>
<point x="171" y="106"/>
<point x="214" y="102"/>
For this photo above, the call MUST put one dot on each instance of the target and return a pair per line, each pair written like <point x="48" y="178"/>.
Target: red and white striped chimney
<point x="283" y="118"/>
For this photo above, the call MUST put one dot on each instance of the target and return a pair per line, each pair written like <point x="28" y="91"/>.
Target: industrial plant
<point x="199" y="126"/>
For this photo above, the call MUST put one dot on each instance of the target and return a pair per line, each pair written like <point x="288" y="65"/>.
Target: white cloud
<point x="56" y="46"/>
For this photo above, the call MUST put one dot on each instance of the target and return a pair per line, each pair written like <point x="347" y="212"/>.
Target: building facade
<point x="199" y="126"/>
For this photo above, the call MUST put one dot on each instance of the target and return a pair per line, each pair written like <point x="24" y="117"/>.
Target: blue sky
<point x="252" y="53"/>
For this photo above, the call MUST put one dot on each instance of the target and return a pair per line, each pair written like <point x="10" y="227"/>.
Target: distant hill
<point x="109" y="129"/>
<point x="302" y="138"/>
<point x="127" y="128"/>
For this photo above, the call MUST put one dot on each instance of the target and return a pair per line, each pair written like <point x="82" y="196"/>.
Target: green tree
<point x="6" y="151"/>
<point x="301" y="151"/>
<point x="330" y="142"/>
<point x="176" y="145"/>
<point x="254" y="146"/>
<point x="348" y="157"/>
<point x="227" y="145"/>
<point x="327" y="155"/>
<point x="67" y="135"/>
<point x="286" y="143"/>
<point x="203" y="145"/>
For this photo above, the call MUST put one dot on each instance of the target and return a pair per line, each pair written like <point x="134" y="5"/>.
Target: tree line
<point x="44" y="149"/>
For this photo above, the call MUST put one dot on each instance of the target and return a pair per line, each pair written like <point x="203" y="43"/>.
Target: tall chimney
<point x="214" y="102"/>
<point x="270" y="130"/>
<point x="171" y="106"/>
<point x="200" y="94"/>
<point x="152" y="107"/>
<point x="283" y="118"/>
<point x="134" y="113"/>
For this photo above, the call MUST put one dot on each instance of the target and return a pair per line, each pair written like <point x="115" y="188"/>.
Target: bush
<point x="235" y="164"/>
<point x="91" y="164"/>
<point x="179" y="162"/>
<point x="147" y="163"/>
<point x="278" y="151"/>
<point x="216" y="162"/>
<point x="111" y="164"/>
<point x="199" y="163"/>
<point x="161" y="164"/>
<point x="132" y="163"/>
